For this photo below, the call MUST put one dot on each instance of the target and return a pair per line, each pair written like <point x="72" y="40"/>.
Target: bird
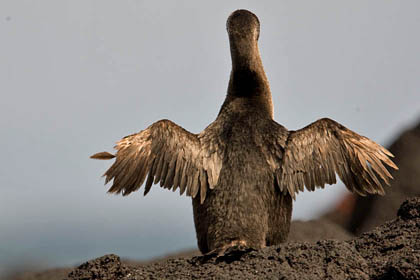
<point x="244" y="170"/>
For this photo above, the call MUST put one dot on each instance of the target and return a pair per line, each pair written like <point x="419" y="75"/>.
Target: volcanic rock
<point x="391" y="251"/>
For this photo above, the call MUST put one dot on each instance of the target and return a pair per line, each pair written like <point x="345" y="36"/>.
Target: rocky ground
<point x="308" y="231"/>
<point x="391" y="251"/>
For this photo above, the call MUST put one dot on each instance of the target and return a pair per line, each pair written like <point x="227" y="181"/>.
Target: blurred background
<point x="76" y="76"/>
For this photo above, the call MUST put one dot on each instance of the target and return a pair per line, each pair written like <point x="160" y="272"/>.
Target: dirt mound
<point x="300" y="231"/>
<point x="104" y="268"/>
<point x="391" y="251"/>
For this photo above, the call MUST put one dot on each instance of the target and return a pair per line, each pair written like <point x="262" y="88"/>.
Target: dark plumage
<point x="244" y="169"/>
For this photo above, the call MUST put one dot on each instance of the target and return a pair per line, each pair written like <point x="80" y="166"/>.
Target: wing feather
<point x="178" y="170"/>
<point x="314" y="154"/>
<point x="149" y="181"/>
<point x="164" y="172"/>
<point x="159" y="167"/>
<point x="203" y="186"/>
<point x="169" y="180"/>
<point x="195" y="183"/>
<point x="183" y="183"/>
<point x="165" y="153"/>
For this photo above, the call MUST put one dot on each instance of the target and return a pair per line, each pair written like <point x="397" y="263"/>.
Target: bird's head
<point x="243" y="24"/>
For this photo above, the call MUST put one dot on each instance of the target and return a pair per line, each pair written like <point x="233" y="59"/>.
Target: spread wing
<point x="314" y="154"/>
<point x="165" y="153"/>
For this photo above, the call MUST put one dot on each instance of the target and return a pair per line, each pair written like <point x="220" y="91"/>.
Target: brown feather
<point x="178" y="170"/>
<point x="149" y="181"/>
<point x="314" y="154"/>
<point x="195" y="184"/>
<point x="203" y="186"/>
<point x="169" y="180"/>
<point x="159" y="167"/>
<point x="183" y="183"/>
<point x="102" y="156"/>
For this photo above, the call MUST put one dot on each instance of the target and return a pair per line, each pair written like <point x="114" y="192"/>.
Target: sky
<point x="76" y="76"/>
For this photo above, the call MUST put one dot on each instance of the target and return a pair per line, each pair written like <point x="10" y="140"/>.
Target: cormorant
<point x="244" y="169"/>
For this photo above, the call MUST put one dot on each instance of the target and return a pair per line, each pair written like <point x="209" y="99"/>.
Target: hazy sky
<point x="76" y="76"/>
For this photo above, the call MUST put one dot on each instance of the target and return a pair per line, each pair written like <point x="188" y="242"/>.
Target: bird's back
<point x="240" y="205"/>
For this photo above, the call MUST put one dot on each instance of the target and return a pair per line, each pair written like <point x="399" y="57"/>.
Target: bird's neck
<point x="248" y="81"/>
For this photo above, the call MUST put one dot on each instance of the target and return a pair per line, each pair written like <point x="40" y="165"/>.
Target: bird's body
<point x="244" y="169"/>
<point x="246" y="206"/>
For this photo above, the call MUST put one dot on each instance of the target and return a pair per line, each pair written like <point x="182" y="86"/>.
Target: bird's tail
<point x="102" y="155"/>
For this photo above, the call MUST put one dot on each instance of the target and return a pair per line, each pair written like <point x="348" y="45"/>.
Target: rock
<point x="391" y="251"/>
<point x="410" y="209"/>
<point x="104" y="268"/>
<point x="394" y="248"/>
